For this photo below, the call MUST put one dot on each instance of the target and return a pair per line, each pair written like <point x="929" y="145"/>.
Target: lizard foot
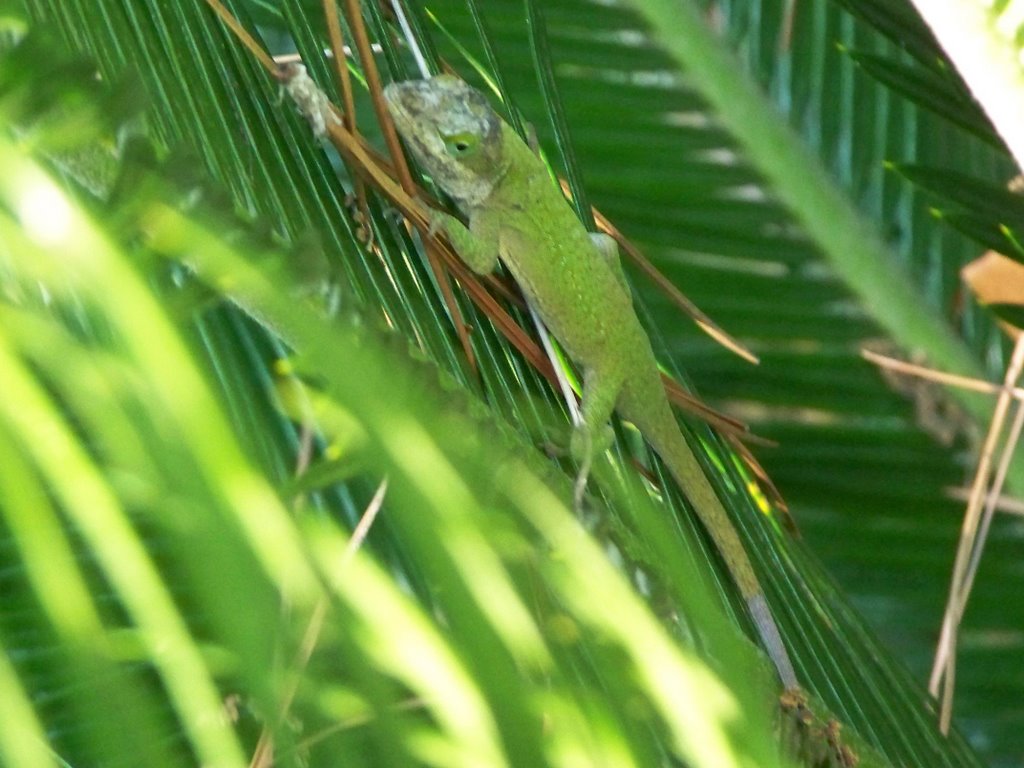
<point x="580" y="486"/>
<point x="584" y="446"/>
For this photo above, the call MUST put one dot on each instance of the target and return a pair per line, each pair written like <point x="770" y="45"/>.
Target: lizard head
<point x="452" y="131"/>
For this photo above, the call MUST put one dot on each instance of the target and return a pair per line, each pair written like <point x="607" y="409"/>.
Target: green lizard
<point x="574" y="281"/>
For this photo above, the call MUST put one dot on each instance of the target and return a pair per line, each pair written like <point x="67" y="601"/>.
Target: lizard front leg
<point x="476" y="245"/>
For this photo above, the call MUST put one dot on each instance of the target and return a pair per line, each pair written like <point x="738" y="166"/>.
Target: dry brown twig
<point x="263" y="755"/>
<point x="982" y="502"/>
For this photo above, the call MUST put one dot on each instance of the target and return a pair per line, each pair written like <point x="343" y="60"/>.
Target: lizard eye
<point x="460" y="144"/>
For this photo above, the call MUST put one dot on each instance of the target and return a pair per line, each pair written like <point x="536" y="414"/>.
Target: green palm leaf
<point x="647" y="146"/>
<point x="171" y="633"/>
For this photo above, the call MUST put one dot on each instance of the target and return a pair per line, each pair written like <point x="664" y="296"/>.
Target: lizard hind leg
<point x="593" y="435"/>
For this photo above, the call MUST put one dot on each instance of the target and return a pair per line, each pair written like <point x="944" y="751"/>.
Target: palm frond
<point x="178" y="639"/>
<point x="647" y="144"/>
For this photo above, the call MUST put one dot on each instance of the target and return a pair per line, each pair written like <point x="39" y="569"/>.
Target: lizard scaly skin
<point x="574" y="281"/>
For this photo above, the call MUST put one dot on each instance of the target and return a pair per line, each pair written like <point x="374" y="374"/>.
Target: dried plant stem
<point x="263" y="755"/>
<point x="980" y="507"/>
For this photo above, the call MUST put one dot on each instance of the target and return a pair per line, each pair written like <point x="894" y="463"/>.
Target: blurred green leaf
<point x="863" y="478"/>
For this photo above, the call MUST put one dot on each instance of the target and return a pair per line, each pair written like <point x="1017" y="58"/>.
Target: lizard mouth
<point x="404" y="103"/>
<point x="400" y="98"/>
<point x="393" y="96"/>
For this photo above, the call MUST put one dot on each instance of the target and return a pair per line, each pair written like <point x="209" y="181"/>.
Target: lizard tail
<point x="638" y="404"/>
<point x="769" y="632"/>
